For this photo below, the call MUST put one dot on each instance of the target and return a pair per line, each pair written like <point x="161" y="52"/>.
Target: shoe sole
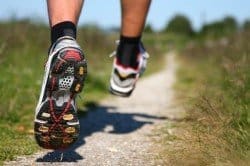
<point x="57" y="125"/>
<point x="121" y="94"/>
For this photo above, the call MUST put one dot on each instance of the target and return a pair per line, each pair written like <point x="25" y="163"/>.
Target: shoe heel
<point x="54" y="130"/>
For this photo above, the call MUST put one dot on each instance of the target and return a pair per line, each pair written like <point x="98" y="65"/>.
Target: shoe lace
<point x="114" y="52"/>
<point x="146" y="55"/>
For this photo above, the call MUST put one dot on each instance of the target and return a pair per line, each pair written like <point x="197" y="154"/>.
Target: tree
<point x="217" y="29"/>
<point x="148" y="29"/>
<point x="230" y="25"/>
<point x="246" y="25"/>
<point x="180" y="24"/>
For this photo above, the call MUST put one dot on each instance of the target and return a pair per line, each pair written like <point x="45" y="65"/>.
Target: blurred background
<point x="107" y="15"/>
<point x="210" y="37"/>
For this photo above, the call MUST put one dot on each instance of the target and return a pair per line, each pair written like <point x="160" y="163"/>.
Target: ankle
<point x="128" y="51"/>
<point x="65" y="28"/>
<point x="130" y="40"/>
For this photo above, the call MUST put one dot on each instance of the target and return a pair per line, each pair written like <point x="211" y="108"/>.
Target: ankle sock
<point x="61" y="29"/>
<point x="128" y="51"/>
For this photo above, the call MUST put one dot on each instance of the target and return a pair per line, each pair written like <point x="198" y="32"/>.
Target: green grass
<point x="23" y="52"/>
<point x="213" y="86"/>
<point x="21" y="59"/>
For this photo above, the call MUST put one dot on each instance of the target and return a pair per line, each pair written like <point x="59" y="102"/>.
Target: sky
<point x="106" y="13"/>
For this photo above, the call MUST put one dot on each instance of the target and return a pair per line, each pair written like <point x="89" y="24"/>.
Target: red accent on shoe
<point x="71" y="54"/>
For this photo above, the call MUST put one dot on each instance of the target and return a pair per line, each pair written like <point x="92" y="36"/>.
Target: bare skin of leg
<point x="64" y="10"/>
<point x="134" y="13"/>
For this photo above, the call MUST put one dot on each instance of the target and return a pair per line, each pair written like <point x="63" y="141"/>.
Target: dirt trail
<point x="118" y="131"/>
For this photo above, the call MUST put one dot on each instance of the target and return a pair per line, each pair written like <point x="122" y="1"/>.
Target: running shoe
<point x="56" y="124"/>
<point x="123" y="78"/>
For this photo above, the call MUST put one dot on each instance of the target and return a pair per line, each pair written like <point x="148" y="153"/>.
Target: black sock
<point x="128" y="50"/>
<point x="61" y="29"/>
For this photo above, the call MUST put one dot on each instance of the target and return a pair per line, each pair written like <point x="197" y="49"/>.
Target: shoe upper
<point x="62" y="43"/>
<point x="123" y="78"/>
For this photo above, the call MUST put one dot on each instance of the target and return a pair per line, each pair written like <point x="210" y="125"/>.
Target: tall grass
<point x="215" y="77"/>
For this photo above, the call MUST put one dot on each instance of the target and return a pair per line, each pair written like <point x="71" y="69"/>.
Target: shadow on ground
<point x="96" y="120"/>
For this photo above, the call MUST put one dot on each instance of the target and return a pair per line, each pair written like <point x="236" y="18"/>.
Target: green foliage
<point x="230" y="23"/>
<point x="221" y="28"/>
<point x="148" y="29"/>
<point x="179" y="24"/>
<point x="18" y="143"/>
<point x="246" y="25"/>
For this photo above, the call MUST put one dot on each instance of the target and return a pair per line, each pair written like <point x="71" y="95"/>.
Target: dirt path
<point x="118" y="131"/>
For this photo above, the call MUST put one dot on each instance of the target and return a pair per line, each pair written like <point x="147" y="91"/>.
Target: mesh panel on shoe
<point x="66" y="82"/>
